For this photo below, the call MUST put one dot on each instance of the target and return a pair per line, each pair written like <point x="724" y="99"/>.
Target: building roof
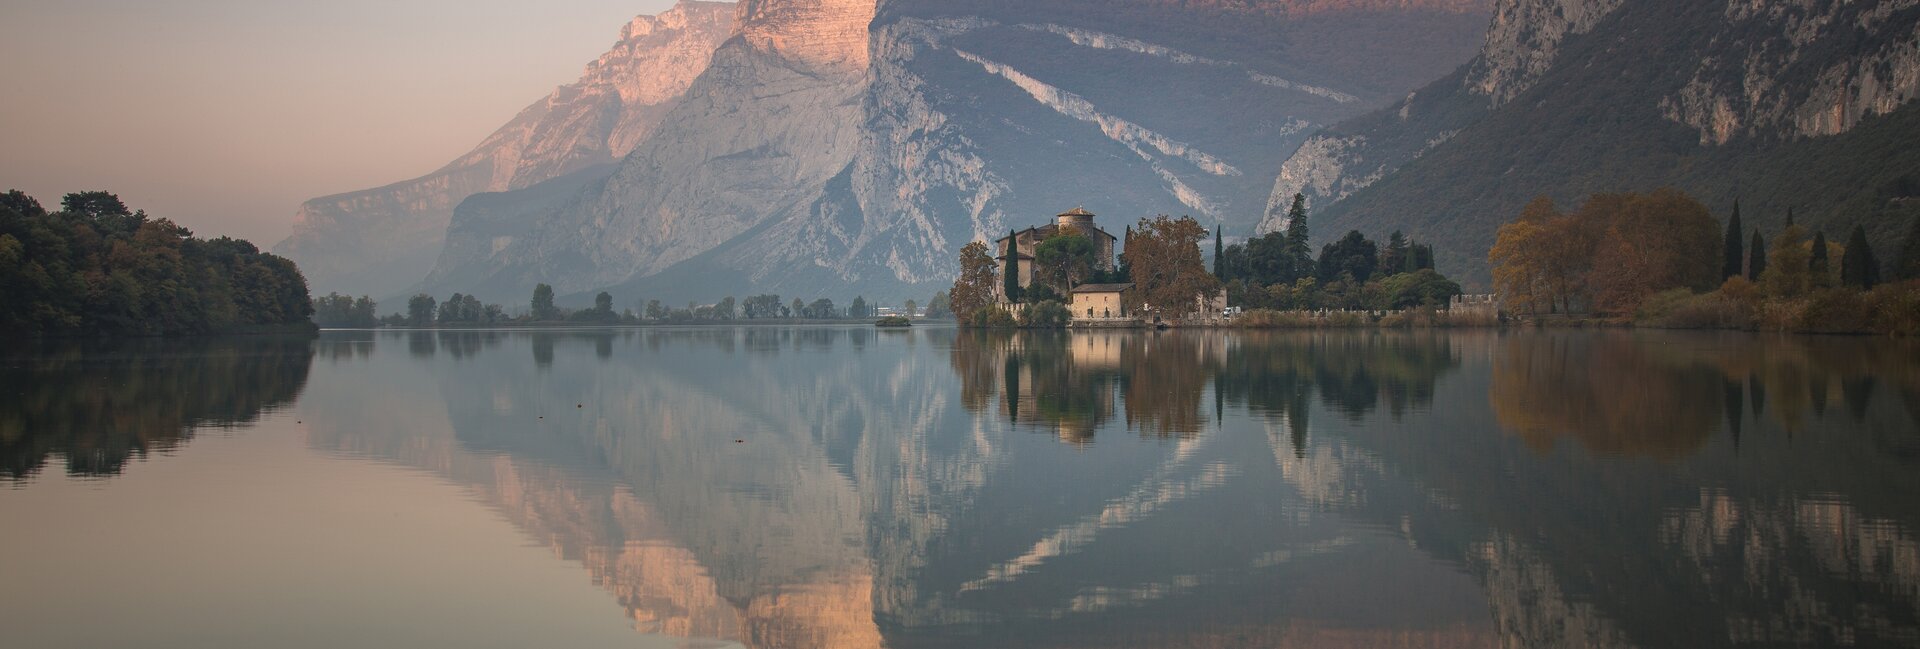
<point x="1101" y="288"/>
<point x="1077" y="211"/>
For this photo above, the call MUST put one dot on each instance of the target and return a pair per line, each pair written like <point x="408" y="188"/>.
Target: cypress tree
<point x="1756" y="256"/>
<point x="1299" y="254"/>
<point x="1734" y="256"/>
<point x="1219" y="253"/>
<point x="1789" y="217"/>
<point x="1817" y="264"/>
<point x="1858" y="268"/>
<point x="1010" y="284"/>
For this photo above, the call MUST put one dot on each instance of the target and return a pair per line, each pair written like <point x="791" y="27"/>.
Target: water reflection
<point x="101" y="405"/>
<point x="840" y="487"/>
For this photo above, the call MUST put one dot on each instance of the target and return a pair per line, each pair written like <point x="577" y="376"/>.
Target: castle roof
<point x="1078" y="211"/>
<point x="1101" y="288"/>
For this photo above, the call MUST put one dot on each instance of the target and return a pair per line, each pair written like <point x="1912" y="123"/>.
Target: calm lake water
<point x="853" y="488"/>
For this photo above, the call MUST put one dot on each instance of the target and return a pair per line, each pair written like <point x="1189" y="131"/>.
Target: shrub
<point x="1045" y="315"/>
<point x="992" y="317"/>
<point x="1655" y="308"/>
<point x="1835" y="311"/>
<point x="1895" y="308"/>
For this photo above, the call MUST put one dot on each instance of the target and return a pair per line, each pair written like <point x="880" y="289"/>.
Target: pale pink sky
<point x="224" y="115"/>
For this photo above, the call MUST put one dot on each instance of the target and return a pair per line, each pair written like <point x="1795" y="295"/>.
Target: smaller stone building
<point x="1097" y="303"/>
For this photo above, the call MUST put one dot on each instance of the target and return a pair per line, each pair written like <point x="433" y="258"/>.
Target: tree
<point x="1788" y="260"/>
<point x="1011" y="279"/>
<point x="1169" y="273"/>
<point x="1858" y="268"/>
<point x="543" y="309"/>
<point x="724" y="310"/>
<point x="859" y="307"/>
<point x="1424" y="287"/>
<point x="1219" y="254"/>
<point x="1732" y="255"/>
<point x="1819" y="270"/>
<point x="1353" y="255"/>
<point x="1394" y="258"/>
<point x="913" y="308"/>
<point x="1518" y="257"/>
<point x="761" y="306"/>
<point x="1299" y="254"/>
<point x="822" y="309"/>
<point x="1064" y="261"/>
<point x="656" y="311"/>
<point x="1652" y="242"/>
<point x="420" y="310"/>
<point x="938" y="307"/>
<point x="973" y="289"/>
<point x="1543" y="257"/>
<point x="1756" y="256"/>
<point x="798" y="309"/>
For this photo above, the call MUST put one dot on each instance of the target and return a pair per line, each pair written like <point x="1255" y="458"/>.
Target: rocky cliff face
<point x="380" y="241"/>
<point x="1726" y="99"/>
<point x="1522" y="43"/>
<point x="801" y="165"/>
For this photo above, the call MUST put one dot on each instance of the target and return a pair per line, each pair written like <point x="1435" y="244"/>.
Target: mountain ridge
<point x="381" y="240"/>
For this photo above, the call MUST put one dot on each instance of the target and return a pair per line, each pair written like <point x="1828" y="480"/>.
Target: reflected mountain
<point x="103" y="404"/>
<point x="837" y="487"/>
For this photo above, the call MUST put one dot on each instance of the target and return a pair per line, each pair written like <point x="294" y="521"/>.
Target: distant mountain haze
<point x="380" y="241"/>
<point x="840" y="147"/>
<point x="224" y="115"/>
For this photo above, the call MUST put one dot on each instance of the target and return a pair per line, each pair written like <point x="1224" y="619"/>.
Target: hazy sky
<point x="224" y="115"/>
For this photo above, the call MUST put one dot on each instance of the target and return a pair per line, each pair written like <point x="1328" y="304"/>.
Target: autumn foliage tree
<point x="1652" y="242"/>
<point x="1613" y="253"/>
<point x="973" y="289"/>
<point x="1169" y="273"/>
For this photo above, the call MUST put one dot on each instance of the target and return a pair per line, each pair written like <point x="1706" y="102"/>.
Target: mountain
<point x="840" y="147"/>
<point x="380" y="241"/>
<point x="1787" y="104"/>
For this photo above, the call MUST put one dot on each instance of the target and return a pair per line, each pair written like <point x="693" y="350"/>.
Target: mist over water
<point x="846" y="487"/>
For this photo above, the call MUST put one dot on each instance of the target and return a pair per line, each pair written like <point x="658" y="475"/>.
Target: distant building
<point x="1077" y="220"/>
<point x="1099" y="303"/>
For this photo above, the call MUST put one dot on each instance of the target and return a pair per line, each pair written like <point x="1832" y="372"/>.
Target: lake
<point x="844" y="487"/>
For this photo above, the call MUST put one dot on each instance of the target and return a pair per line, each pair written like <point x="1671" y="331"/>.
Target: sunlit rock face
<point x="380" y="241"/>
<point x="802" y="164"/>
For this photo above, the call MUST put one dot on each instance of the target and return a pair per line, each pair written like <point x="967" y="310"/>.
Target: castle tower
<point x="1079" y="219"/>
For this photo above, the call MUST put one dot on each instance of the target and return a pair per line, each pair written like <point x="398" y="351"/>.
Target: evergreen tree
<point x="859" y="307"/>
<point x="1817" y="265"/>
<point x="543" y="308"/>
<point x="1858" y="268"/>
<point x="1789" y="217"/>
<point x="1219" y="253"/>
<point x="1756" y="256"/>
<point x="1393" y="259"/>
<point x="1010" y="282"/>
<point x="420" y="310"/>
<point x="1734" y="255"/>
<point x="1298" y="254"/>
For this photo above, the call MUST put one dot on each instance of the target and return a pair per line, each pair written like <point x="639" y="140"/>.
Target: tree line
<point x="335" y="310"/>
<point x="1662" y="259"/>
<point x="95" y="267"/>
<point x="1278" y="271"/>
